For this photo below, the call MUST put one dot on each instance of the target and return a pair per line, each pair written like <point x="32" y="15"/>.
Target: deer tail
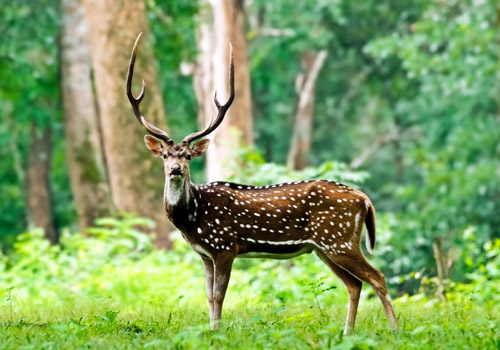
<point x="370" y="227"/>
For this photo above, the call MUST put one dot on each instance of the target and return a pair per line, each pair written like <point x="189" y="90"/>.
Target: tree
<point x="298" y="155"/>
<point x="211" y="74"/>
<point x="39" y="206"/>
<point x="83" y="148"/>
<point x="136" y="183"/>
<point x="29" y="110"/>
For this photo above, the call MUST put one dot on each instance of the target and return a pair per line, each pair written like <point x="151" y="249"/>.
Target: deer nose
<point x="175" y="169"/>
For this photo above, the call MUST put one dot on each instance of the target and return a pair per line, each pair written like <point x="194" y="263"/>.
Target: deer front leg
<point x="222" y="271"/>
<point x="209" y="284"/>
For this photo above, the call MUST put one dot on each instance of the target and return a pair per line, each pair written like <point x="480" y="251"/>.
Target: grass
<point x="114" y="292"/>
<point x="101" y="324"/>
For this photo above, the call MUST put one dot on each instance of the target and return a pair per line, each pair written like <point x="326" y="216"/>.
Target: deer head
<point x="176" y="156"/>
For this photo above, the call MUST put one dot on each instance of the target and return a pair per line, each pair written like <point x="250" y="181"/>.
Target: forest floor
<point x="423" y="325"/>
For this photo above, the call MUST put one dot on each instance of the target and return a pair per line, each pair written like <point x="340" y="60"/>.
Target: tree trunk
<point x="39" y="208"/>
<point x="136" y="179"/>
<point x="298" y="155"/>
<point x="203" y="83"/>
<point x="86" y="164"/>
<point x="211" y="74"/>
<point x="444" y="261"/>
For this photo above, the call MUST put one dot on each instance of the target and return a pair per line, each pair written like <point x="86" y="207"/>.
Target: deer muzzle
<point x="176" y="170"/>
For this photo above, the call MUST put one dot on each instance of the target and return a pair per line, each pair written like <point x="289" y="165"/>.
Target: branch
<point x="311" y="76"/>
<point x="272" y="32"/>
<point x="374" y="147"/>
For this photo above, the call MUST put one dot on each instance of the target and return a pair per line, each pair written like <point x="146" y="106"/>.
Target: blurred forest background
<point x="398" y="98"/>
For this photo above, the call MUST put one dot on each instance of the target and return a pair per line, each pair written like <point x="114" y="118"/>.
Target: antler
<point x="222" y="108"/>
<point x="135" y="102"/>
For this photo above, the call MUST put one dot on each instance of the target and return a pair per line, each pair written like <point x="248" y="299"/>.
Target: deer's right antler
<point x="135" y="102"/>
<point x="222" y="108"/>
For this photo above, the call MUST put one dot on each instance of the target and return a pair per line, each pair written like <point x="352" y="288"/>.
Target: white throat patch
<point x="175" y="190"/>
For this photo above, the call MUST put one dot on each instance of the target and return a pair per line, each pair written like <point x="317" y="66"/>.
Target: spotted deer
<point x="224" y="220"/>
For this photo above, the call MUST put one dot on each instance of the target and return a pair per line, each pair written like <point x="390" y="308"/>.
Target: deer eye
<point x="188" y="157"/>
<point x="164" y="156"/>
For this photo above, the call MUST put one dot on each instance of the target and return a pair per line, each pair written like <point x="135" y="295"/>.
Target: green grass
<point x="114" y="291"/>
<point x="246" y="326"/>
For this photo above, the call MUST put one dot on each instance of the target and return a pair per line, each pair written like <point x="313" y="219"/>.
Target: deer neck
<point x="178" y="197"/>
<point x="177" y="190"/>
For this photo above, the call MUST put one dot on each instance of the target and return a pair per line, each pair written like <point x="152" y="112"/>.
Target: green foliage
<point x="114" y="257"/>
<point x="113" y="290"/>
<point x="252" y="169"/>
<point x="269" y="173"/>
<point x="483" y="271"/>
<point x="29" y="94"/>
<point x="450" y="57"/>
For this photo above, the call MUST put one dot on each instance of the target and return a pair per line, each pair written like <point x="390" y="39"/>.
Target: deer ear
<point x="154" y="145"/>
<point x="200" y="147"/>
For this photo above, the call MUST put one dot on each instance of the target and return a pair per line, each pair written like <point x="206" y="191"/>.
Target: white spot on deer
<point x="199" y="230"/>
<point x="256" y="214"/>
<point x="217" y="221"/>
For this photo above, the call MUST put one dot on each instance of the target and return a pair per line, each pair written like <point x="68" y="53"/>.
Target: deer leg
<point x="209" y="284"/>
<point x="353" y="286"/>
<point x="222" y="271"/>
<point x="356" y="264"/>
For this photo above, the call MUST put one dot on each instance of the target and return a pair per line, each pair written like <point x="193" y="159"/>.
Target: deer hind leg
<point x="222" y="271"/>
<point x="355" y="263"/>
<point x="353" y="286"/>
<point x="209" y="284"/>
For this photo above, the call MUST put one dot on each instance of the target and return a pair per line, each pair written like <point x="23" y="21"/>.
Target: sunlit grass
<point x="423" y="325"/>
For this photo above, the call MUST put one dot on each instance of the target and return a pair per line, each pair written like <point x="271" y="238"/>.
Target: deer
<point x="222" y="221"/>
